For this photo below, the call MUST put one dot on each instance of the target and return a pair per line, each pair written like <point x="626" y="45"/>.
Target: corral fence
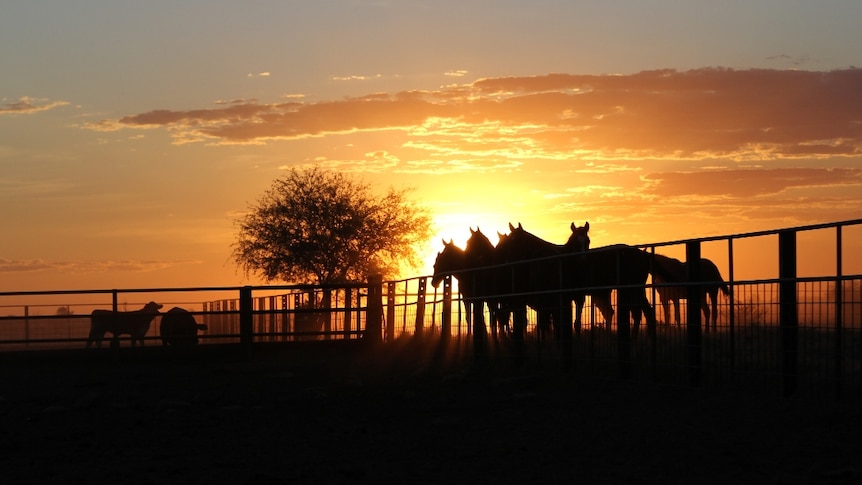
<point x="793" y="328"/>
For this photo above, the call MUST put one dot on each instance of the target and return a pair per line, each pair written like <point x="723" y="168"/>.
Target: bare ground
<point x="340" y="414"/>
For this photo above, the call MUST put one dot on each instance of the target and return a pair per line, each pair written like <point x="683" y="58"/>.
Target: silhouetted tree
<point x="64" y="311"/>
<point x="318" y="226"/>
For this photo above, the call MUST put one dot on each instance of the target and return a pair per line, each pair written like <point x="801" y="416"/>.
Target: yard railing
<point x="796" y="327"/>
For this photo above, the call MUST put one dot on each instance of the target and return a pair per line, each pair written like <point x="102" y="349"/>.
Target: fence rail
<point x="786" y="332"/>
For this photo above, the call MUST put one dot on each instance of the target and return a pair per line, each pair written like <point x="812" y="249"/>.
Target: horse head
<point x="478" y="249"/>
<point x="449" y="260"/>
<point x="579" y="241"/>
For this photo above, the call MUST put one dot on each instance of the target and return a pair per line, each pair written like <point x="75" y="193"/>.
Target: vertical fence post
<point x="446" y="320"/>
<point x="390" y="311"/>
<point x="348" y="311"/>
<point x="27" y="324"/>
<point x="374" y="313"/>
<point x="839" y="312"/>
<point x="261" y="317"/>
<point x="564" y="315"/>
<point x="480" y="334"/>
<point x="624" y="335"/>
<point x="787" y="311"/>
<point x="327" y="316"/>
<point x="246" y="318"/>
<point x="421" y="290"/>
<point x="731" y="313"/>
<point x="114" y="299"/>
<point x="285" y="323"/>
<point x="694" y="296"/>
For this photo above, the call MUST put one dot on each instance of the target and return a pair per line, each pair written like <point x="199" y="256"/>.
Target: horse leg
<point x="713" y="296"/>
<point x="519" y="330"/>
<point x="665" y="304"/>
<point x="607" y="312"/>
<point x="629" y="303"/>
<point x="603" y="301"/>
<point x="504" y="319"/>
<point x="649" y="314"/>
<point x="580" y="299"/>
<point x="496" y="326"/>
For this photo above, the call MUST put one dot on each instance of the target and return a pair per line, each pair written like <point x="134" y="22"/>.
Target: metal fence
<point x="791" y="326"/>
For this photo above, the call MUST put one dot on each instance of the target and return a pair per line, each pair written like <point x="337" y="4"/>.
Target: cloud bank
<point x="739" y="115"/>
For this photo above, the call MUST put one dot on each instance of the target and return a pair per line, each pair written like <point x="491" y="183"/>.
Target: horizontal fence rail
<point x="797" y="330"/>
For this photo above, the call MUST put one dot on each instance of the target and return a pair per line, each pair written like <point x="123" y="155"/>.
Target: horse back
<point x="611" y="265"/>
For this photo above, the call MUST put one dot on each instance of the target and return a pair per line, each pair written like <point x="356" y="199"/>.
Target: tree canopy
<point x="321" y="227"/>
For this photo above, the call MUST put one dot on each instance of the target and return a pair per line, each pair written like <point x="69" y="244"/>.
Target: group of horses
<point x="523" y="270"/>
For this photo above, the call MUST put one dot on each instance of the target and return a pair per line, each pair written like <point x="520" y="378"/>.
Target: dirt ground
<point x="339" y="414"/>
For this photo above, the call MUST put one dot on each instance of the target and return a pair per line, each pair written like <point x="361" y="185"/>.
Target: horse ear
<point x="586" y="225"/>
<point x="472" y="231"/>
<point x="519" y="226"/>
<point x="572" y="227"/>
<point x="511" y="227"/>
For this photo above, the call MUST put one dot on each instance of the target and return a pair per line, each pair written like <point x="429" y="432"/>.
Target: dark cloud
<point x="749" y="183"/>
<point x="707" y="113"/>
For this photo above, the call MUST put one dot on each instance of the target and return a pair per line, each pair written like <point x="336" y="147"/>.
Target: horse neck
<point x="479" y="253"/>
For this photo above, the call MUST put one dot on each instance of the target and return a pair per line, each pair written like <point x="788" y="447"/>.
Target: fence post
<point x="246" y="317"/>
<point x="839" y="313"/>
<point x="564" y="316"/>
<point x="27" y="324"/>
<point x="327" y="316"/>
<point x="480" y="334"/>
<point x="348" y="311"/>
<point x="787" y="310"/>
<point x="731" y="305"/>
<point x="421" y="290"/>
<point x="624" y="330"/>
<point x="374" y="313"/>
<point x="390" y="311"/>
<point x="694" y="296"/>
<point x="446" y="321"/>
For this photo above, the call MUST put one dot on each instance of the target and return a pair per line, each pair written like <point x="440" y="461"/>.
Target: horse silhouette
<point x="469" y="266"/>
<point x="675" y="271"/>
<point x="480" y="253"/>
<point x="579" y="242"/>
<point x="527" y="278"/>
<point x="619" y="266"/>
<point x="135" y="323"/>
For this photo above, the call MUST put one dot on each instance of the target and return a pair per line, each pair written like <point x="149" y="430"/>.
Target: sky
<point x="134" y="134"/>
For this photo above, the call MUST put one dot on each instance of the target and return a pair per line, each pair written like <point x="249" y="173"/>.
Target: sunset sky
<point x="133" y="134"/>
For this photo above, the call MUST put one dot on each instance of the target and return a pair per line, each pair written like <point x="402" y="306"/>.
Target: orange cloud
<point x="749" y="183"/>
<point x="707" y="113"/>
<point x="29" y="265"/>
<point x="28" y="105"/>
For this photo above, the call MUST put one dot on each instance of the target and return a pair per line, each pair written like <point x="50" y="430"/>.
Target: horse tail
<point x="710" y="267"/>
